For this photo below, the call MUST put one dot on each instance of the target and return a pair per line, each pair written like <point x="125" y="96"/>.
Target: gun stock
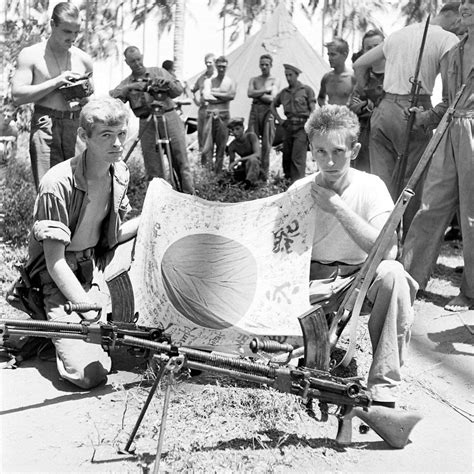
<point x="393" y="426"/>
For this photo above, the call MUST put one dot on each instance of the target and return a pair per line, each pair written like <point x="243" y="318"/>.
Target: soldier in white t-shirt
<point x="389" y="120"/>
<point x="351" y="208"/>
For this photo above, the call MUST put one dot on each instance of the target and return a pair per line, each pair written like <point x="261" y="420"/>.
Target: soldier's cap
<point x="235" y="121"/>
<point x="292" y="68"/>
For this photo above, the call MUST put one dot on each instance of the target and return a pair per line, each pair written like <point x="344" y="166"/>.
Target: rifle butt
<point x="393" y="426"/>
<point x="344" y="425"/>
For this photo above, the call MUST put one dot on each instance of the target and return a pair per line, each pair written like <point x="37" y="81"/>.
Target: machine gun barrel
<point x="392" y="425"/>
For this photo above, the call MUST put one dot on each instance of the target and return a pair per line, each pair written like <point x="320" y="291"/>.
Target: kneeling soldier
<point x="78" y="216"/>
<point x="247" y="148"/>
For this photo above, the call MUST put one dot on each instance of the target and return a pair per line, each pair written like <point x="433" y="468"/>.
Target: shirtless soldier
<point x="199" y="99"/>
<point x="218" y="92"/>
<point x="263" y="89"/>
<point x="41" y="70"/>
<point x="338" y="83"/>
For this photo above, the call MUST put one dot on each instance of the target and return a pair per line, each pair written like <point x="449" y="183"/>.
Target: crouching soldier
<point x="78" y="216"/>
<point x="244" y="153"/>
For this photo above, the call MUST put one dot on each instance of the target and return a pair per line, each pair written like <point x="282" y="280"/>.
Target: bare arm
<point x="429" y="119"/>
<point x="363" y="233"/>
<point x="226" y="95"/>
<point x="252" y="91"/>
<point x="196" y="100"/>
<point x="362" y="65"/>
<point x="61" y="273"/>
<point x="128" y="230"/>
<point x="322" y="92"/>
<point x="24" y="92"/>
<point x="231" y="156"/>
<point x="255" y="148"/>
<point x="264" y="94"/>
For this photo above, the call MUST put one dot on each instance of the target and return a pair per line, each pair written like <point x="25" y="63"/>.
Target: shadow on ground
<point x="446" y="339"/>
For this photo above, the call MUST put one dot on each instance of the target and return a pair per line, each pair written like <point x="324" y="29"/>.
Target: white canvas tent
<point x="280" y="38"/>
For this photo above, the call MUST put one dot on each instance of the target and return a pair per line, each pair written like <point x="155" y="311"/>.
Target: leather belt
<point x="73" y="259"/>
<point x="321" y="271"/>
<point x="403" y="97"/>
<point x="60" y="114"/>
<point x="298" y="119"/>
<point x="463" y="114"/>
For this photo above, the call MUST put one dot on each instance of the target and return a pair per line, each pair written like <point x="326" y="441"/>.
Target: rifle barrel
<point x="398" y="175"/>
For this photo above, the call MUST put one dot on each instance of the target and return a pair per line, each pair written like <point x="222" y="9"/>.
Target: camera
<point x="157" y="87"/>
<point x="78" y="90"/>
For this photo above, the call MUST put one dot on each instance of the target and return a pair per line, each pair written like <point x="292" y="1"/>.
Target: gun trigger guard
<point x="304" y="394"/>
<point x="342" y="411"/>
<point x="87" y="322"/>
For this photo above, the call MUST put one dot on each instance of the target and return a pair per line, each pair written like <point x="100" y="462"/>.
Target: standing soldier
<point x="298" y="101"/>
<point x="217" y="91"/>
<point x="337" y="84"/>
<point x="42" y="71"/>
<point x="138" y="89"/>
<point x="450" y="177"/>
<point x="388" y="124"/>
<point x="263" y="89"/>
<point x="199" y="99"/>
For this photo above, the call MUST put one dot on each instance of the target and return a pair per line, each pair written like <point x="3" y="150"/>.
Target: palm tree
<point x="416" y="10"/>
<point x="178" y="45"/>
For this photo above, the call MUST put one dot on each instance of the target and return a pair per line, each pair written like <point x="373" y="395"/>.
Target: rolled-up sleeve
<point x="51" y="219"/>
<point x="120" y="92"/>
<point x="125" y="207"/>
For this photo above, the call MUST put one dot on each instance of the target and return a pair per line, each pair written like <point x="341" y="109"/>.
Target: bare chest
<point x="221" y="84"/>
<point x="48" y="65"/>
<point x="264" y="82"/>
<point x="339" y="88"/>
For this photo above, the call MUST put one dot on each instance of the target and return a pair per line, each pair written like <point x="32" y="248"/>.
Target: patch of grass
<point x="222" y="188"/>
<point x="18" y="199"/>
<point x="268" y="407"/>
<point x="138" y="184"/>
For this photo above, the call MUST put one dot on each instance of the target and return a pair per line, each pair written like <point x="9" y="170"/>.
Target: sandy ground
<point x="49" y="426"/>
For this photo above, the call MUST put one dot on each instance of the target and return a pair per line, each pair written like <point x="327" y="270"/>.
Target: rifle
<point x="399" y="171"/>
<point x="394" y="426"/>
<point x="354" y="298"/>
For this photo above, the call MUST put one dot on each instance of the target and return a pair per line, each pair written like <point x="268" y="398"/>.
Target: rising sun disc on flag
<point x="209" y="279"/>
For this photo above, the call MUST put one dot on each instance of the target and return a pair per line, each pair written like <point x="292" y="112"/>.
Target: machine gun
<point x="308" y="382"/>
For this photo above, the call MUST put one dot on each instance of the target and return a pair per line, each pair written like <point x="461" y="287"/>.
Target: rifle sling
<point x="362" y="282"/>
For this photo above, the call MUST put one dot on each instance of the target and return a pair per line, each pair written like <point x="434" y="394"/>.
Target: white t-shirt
<point x="401" y="50"/>
<point x="368" y="197"/>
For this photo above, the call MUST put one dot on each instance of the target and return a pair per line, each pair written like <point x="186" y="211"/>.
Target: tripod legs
<point x="162" y="146"/>
<point x="165" y="141"/>
<point x="167" y="368"/>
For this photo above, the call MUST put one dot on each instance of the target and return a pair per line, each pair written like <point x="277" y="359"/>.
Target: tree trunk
<point x="86" y="26"/>
<point x="3" y="31"/>
<point x="268" y="10"/>
<point x="341" y="19"/>
<point x="178" y="48"/>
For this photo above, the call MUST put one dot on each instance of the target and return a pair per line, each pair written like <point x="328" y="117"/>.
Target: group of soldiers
<point x="82" y="201"/>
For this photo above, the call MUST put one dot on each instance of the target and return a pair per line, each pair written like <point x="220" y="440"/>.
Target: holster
<point x="25" y="296"/>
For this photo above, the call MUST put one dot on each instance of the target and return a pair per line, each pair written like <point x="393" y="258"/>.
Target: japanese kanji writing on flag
<point x="216" y="275"/>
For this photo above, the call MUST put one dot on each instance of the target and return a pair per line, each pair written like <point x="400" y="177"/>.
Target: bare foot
<point x="460" y="303"/>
